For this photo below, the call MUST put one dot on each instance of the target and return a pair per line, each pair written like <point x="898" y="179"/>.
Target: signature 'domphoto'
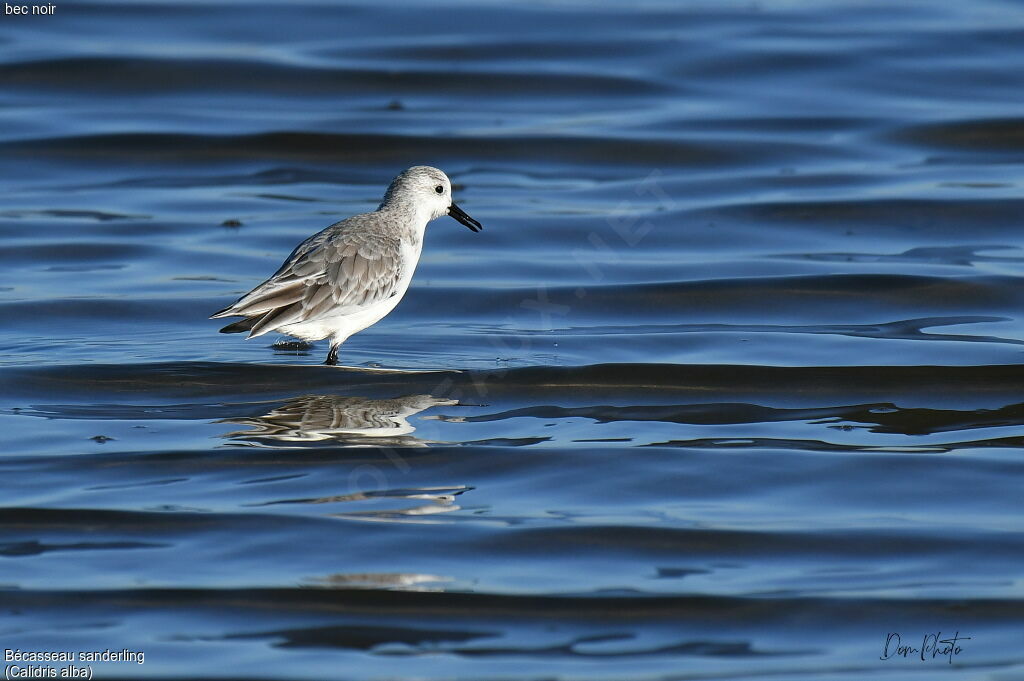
<point x="931" y="646"/>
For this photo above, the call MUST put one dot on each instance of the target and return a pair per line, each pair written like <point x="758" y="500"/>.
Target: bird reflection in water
<point x="314" y="419"/>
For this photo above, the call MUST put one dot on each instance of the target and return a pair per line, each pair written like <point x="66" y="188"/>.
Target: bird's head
<point x="429" y="189"/>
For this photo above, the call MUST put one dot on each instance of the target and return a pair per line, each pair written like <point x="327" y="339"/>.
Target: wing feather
<point x="275" y="318"/>
<point x="276" y="298"/>
<point x="345" y="268"/>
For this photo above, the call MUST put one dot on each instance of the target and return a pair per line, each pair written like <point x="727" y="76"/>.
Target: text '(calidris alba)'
<point x="352" y="274"/>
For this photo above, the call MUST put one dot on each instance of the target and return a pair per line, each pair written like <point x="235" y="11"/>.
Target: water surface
<point x="730" y="387"/>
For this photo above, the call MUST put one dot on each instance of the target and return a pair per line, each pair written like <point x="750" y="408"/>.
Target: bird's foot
<point x="332" y="356"/>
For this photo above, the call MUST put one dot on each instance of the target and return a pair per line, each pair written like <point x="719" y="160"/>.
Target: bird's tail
<point x="241" y="326"/>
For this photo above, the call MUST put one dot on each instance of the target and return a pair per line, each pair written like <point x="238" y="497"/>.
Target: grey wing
<point x="340" y="270"/>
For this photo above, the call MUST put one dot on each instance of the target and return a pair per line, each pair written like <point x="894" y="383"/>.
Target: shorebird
<point x="352" y="274"/>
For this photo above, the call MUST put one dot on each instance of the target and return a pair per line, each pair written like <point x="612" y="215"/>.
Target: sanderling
<point x="352" y="274"/>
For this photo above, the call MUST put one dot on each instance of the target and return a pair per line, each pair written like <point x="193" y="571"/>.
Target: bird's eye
<point x="439" y="189"/>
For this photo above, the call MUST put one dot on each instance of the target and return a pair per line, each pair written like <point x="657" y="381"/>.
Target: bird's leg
<point x="332" y="355"/>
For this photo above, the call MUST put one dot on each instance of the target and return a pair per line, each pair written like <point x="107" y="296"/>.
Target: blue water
<point x="730" y="387"/>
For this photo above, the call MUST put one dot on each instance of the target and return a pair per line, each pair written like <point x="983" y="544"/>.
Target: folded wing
<point x="338" y="271"/>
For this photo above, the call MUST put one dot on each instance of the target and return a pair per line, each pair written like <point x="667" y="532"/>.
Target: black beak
<point x="462" y="217"/>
